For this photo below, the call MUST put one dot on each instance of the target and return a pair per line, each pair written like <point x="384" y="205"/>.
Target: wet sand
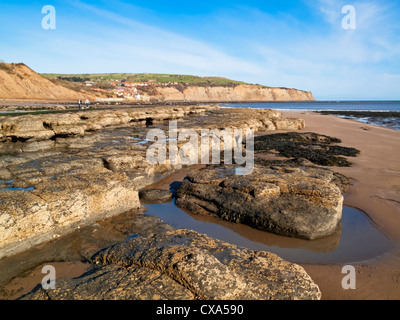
<point x="375" y="189"/>
<point x="27" y="281"/>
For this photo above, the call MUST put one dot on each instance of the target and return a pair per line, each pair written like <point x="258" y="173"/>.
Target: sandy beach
<point x="375" y="189"/>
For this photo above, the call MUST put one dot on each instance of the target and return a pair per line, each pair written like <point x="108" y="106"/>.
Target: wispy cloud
<point x="129" y="45"/>
<point x="336" y="62"/>
<point x="306" y="50"/>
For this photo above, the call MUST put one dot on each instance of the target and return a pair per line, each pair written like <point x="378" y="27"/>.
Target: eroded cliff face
<point x="228" y="94"/>
<point x="17" y="81"/>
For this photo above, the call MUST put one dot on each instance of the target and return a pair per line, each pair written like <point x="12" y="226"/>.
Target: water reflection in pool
<point x="355" y="240"/>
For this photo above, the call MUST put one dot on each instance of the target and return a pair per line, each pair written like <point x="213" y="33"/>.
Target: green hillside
<point x="144" y="77"/>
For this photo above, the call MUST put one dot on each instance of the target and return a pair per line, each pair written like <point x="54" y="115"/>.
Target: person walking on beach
<point x="87" y="102"/>
<point x="79" y="104"/>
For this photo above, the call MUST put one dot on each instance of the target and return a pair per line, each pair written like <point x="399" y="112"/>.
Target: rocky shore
<point x="61" y="172"/>
<point x="184" y="265"/>
<point x="387" y="119"/>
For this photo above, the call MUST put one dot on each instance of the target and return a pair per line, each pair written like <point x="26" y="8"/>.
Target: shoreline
<point x="375" y="190"/>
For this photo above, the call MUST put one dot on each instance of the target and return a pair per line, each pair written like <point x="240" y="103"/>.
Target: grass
<point x="5" y="67"/>
<point x="9" y="67"/>
<point x="147" y="77"/>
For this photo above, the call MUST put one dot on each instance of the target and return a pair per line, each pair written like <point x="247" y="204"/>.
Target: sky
<point x="298" y="44"/>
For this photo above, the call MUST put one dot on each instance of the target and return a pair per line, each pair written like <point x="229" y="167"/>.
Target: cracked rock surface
<point x="62" y="171"/>
<point x="184" y="264"/>
<point x="301" y="202"/>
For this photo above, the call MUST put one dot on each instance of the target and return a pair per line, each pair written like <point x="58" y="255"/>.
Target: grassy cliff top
<point x="145" y="77"/>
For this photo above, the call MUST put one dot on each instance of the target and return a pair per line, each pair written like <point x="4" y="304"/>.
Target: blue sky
<point x="299" y="44"/>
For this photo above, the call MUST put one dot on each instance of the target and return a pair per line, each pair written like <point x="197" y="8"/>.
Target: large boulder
<point x="296" y="202"/>
<point x="54" y="206"/>
<point x="182" y="265"/>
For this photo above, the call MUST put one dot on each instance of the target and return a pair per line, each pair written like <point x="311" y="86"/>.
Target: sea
<point x="381" y="113"/>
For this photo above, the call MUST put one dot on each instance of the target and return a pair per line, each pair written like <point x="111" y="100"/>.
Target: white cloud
<point x="131" y="45"/>
<point x="337" y="62"/>
<point x="262" y="48"/>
